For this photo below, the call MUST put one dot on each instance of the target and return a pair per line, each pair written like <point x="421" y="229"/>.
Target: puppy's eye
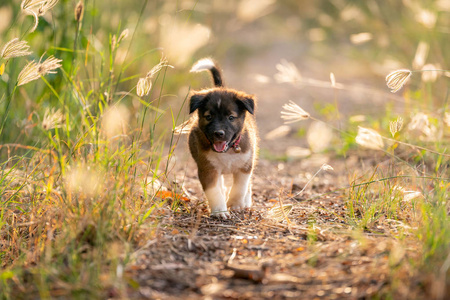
<point x="231" y="118"/>
<point x="208" y="117"/>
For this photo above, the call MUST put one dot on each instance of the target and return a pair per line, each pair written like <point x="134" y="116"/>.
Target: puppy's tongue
<point x="220" y="146"/>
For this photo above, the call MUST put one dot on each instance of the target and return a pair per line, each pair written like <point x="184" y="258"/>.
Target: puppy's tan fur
<point x="223" y="140"/>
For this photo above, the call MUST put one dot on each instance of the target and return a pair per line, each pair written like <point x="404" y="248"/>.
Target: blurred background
<point x="278" y="50"/>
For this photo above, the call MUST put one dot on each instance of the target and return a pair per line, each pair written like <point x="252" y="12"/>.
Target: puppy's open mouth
<point x="220" y="146"/>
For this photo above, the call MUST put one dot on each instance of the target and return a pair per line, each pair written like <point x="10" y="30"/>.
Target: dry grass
<point x="96" y="202"/>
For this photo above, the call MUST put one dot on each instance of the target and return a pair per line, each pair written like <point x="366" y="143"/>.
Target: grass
<point x="85" y="169"/>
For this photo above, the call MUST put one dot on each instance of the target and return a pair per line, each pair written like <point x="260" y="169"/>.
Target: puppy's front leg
<point x="241" y="192"/>
<point x="215" y="193"/>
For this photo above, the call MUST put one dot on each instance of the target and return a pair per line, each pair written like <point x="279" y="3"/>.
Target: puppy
<point x="223" y="140"/>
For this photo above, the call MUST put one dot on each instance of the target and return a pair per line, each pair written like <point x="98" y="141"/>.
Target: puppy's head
<point x="221" y="114"/>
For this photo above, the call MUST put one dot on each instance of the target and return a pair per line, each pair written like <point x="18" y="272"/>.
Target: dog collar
<point x="236" y="146"/>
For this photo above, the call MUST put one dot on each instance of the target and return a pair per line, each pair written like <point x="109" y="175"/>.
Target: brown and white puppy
<point x="223" y="140"/>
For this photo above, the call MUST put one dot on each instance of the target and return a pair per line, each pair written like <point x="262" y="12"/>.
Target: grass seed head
<point x="369" y="138"/>
<point x="162" y="63"/>
<point x="33" y="70"/>
<point x="287" y="72"/>
<point x="396" y="79"/>
<point x="49" y="65"/>
<point x="396" y="126"/>
<point x="79" y="11"/>
<point x="293" y="113"/>
<point x="37" y="8"/>
<point x="29" y="73"/>
<point x="327" y="167"/>
<point x="29" y="4"/>
<point x="46" y="6"/>
<point x="52" y="119"/>
<point x="420" y="123"/>
<point x="143" y="86"/>
<point x="15" y="48"/>
<point x="123" y="35"/>
<point x="278" y="213"/>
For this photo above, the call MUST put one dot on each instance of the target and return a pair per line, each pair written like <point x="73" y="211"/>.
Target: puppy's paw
<point x="239" y="205"/>
<point x="221" y="214"/>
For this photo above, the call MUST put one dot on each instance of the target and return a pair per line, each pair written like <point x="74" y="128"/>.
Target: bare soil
<point x="313" y="253"/>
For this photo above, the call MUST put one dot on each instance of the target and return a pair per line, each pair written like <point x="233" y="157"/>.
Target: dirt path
<point x="313" y="254"/>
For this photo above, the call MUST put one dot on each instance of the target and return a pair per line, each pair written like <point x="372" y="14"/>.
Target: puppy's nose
<point x="219" y="134"/>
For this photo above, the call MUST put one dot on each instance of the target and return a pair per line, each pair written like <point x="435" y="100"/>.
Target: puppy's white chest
<point x="228" y="162"/>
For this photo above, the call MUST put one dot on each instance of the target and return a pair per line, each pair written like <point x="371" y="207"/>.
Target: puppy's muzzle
<point x="219" y="144"/>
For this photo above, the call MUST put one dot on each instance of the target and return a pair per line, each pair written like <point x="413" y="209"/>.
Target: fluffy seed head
<point x="396" y="126"/>
<point x="278" y="213"/>
<point x="28" y="4"/>
<point x="46" y="6"/>
<point x="327" y="167"/>
<point x="396" y="79"/>
<point x="15" y="48"/>
<point x="37" y="8"/>
<point x="143" y="86"/>
<point x="287" y="72"/>
<point x="52" y="119"/>
<point x="29" y="73"/>
<point x="420" y="123"/>
<point x="162" y="63"/>
<point x="33" y="70"/>
<point x="293" y="113"/>
<point x="369" y="138"/>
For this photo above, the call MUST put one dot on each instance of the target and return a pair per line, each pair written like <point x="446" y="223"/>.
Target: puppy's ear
<point x="197" y="100"/>
<point x="247" y="102"/>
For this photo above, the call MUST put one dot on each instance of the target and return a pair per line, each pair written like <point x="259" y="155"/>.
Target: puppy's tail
<point x="207" y="64"/>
